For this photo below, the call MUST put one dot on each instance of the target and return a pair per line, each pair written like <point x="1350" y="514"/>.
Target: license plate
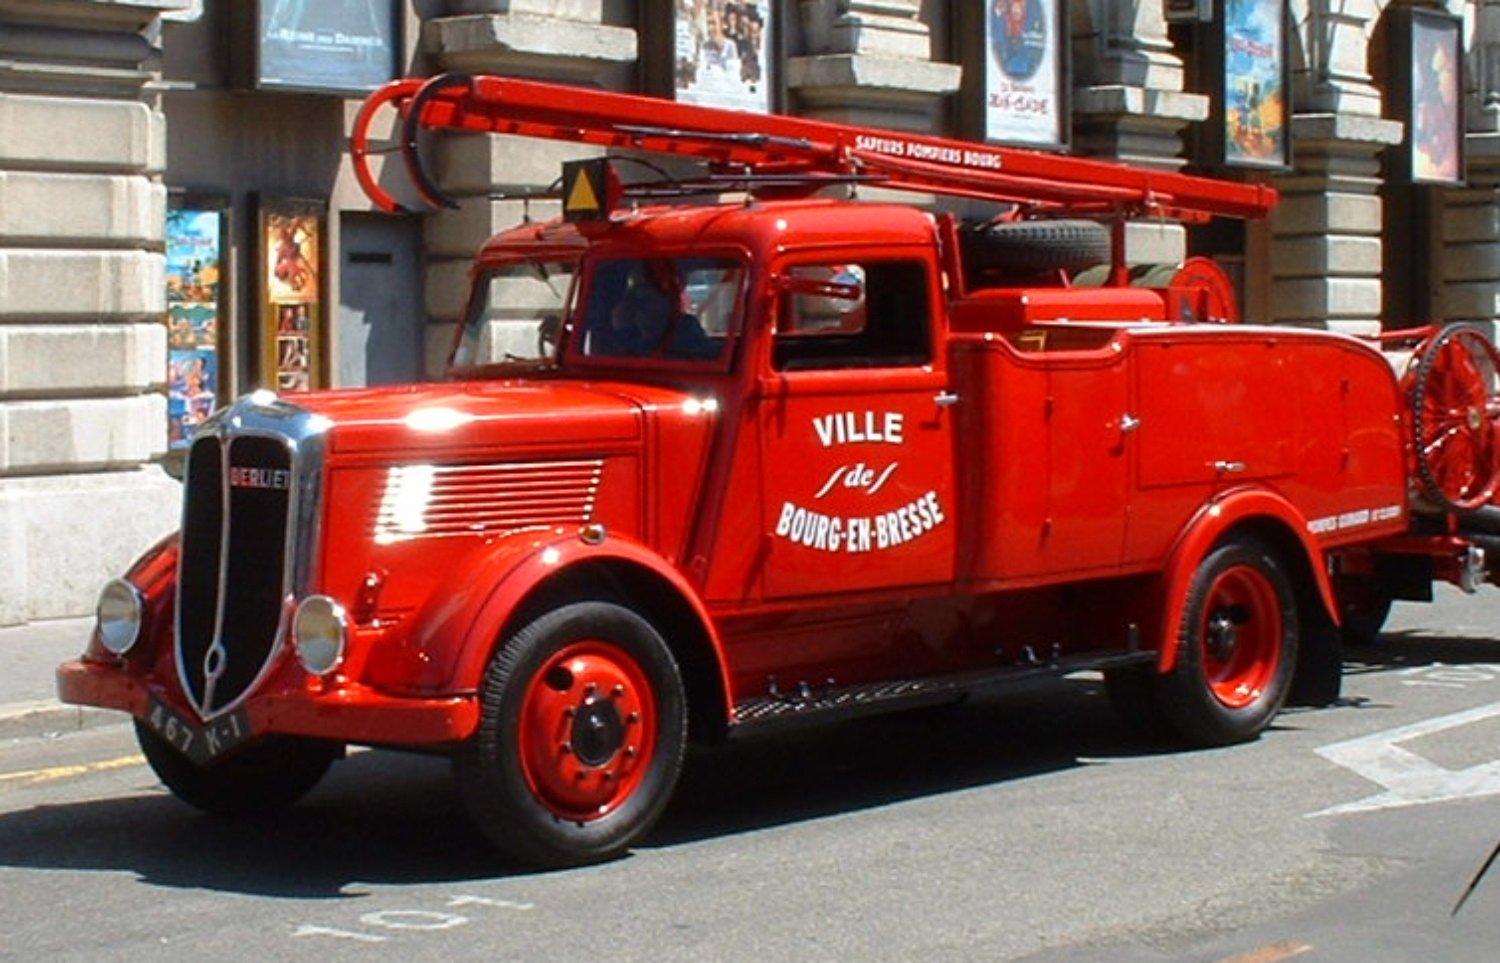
<point x="200" y="743"/>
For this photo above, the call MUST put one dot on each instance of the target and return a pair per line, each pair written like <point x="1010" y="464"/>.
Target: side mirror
<point x="818" y="287"/>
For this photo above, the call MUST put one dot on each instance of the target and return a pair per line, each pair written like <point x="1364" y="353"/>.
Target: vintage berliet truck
<point x="726" y="447"/>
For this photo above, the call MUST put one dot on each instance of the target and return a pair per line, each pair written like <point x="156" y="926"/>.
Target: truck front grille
<point x="247" y="481"/>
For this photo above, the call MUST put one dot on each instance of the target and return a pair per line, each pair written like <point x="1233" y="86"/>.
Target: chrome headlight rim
<point x="119" y="615"/>
<point x="320" y="634"/>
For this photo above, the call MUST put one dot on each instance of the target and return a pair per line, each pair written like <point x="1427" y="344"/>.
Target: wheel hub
<point x="598" y="732"/>
<point x="1222" y="635"/>
<point x="586" y="730"/>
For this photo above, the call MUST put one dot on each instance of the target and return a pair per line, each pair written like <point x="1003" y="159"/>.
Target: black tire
<point x="1132" y="694"/>
<point x="261" y="779"/>
<point x="1363" y="609"/>
<point x="581" y="736"/>
<point x="1021" y="248"/>
<point x="1237" y="647"/>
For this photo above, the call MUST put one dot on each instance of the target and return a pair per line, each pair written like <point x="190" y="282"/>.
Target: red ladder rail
<point x="737" y="141"/>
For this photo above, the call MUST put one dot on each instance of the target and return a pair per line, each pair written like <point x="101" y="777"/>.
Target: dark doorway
<point x="380" y="326"/>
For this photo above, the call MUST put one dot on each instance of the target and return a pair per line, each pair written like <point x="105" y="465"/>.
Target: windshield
<point x="516" y="312"/>
<point x="667" y="308"/>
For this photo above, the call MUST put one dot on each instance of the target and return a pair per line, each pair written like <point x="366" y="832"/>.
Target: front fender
<point x="1253" y="508"/>
<point x="154" y="574"/>
<point x="450" y="647"/>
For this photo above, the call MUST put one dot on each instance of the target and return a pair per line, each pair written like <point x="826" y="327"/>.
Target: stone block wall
<point x="82" y="294"/>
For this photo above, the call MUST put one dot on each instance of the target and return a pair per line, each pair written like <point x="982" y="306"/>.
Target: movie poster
<point x="194" y="240"/>
<point x="721" y="53"/>
<point x="1255" y="106"/>
<point x="1023" y="72"/>
<point x="340" y="46"/>
<point x="292" y="246"/>
<point x="1435" y="123"/>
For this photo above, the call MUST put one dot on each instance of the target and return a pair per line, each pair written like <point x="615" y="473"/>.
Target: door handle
<point x="946" y="399"/>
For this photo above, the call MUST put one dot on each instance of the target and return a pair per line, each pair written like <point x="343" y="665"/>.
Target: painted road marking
<point x="1407" y="778"/>
<point x="33" y="777"/>
<point x="409" y="920"/>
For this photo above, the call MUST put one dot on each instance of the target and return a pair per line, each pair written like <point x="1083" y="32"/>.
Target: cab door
<point x="856" y="432"/>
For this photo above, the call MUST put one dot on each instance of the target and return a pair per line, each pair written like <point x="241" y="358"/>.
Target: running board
<point x="816" y="705"/>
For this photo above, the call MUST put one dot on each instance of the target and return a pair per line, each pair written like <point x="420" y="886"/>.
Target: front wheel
<point x="261" y="779"/>
<point x="581" y="736"/>
<point x="1237" y="647"/>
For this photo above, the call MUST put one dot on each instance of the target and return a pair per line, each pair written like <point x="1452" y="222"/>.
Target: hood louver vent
<point x="426" y="501"/>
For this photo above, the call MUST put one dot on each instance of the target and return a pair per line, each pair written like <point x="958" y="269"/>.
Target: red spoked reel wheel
<point x="1455" y="402"/>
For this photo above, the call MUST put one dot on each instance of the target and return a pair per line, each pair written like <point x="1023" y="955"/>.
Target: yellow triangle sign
<point x="582" y="198"/>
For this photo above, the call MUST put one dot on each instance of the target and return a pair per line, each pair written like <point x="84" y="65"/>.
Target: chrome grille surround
<point x="251" y="524"/>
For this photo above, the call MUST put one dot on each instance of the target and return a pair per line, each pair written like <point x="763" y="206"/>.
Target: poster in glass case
<point x="194" y="269"/>
<point x="1024" y="42"/>
<point x="1428" y="94"/>
<point x="1254" y="102"/>
<point x="293" y="306"/>
<point x="722" y="53"/>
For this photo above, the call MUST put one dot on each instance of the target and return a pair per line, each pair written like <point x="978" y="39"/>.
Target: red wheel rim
<point x="587" y="730"/>
<point x="1455" y="420"/>
<point x="1241" y="636"/>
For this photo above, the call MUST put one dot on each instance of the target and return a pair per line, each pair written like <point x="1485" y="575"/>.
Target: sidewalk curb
<point x="30" y="720"/>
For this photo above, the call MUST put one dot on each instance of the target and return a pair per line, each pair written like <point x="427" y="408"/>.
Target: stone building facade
<point x="114" y="111"/>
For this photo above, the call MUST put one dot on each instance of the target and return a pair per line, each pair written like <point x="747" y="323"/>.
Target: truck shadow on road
<point x="385" y="818"/>
<point x="393" y="818"/>
<point x="1418" y="652"/>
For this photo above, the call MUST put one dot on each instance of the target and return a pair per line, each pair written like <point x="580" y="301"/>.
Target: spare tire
<point x="1017" y="248"/>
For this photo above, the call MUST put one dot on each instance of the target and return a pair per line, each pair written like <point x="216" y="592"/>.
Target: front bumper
<point x="341" y="712"/>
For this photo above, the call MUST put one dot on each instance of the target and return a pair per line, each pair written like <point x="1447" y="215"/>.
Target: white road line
<point x="1408" y="778"/>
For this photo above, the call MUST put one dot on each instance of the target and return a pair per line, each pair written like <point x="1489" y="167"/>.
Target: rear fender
<point x="1253" y="511"/>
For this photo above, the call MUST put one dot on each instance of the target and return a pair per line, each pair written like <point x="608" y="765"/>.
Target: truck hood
<point x="420" y="420"/>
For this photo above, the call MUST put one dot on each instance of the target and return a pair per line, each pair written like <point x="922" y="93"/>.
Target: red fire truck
<point x="725" y="447"/>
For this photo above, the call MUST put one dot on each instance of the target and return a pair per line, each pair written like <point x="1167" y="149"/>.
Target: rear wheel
<point x="1237" y="647"/>
<point x="261" y="779"/>
<point x="1363" y="609"/>
<point x="580" y="739"/>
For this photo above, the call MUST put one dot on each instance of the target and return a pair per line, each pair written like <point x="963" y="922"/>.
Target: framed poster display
<point x="1424" y="85"/>
<point x="1245" y="70"/>
<point x="723" y="54"/>
<point x="1020" y="96"/>
<point x="291" y="238"/>
<point x="319" y="46"/>
<point x="195" y="234"/>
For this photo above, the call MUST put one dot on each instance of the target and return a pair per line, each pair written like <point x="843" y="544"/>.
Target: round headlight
<point x="119" y="615"/>
<point x="319" y="629"/>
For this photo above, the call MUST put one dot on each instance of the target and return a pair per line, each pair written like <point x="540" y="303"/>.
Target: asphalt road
<point x="1025" y="828"/>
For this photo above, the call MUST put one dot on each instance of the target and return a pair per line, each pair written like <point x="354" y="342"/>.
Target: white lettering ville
<point x="854" y="427"/>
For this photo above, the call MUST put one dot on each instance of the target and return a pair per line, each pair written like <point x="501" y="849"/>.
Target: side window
<point x="869" y="315"/>
<point x="672" y="309"/>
